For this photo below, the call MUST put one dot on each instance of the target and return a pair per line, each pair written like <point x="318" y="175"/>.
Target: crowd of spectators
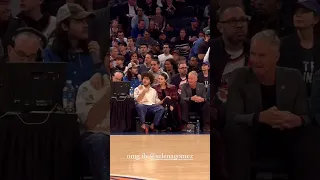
<point x="168" y="39"/>
<point x="165" y="49"/>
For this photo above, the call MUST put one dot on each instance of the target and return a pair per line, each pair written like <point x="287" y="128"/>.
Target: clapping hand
<point x="289" y="120"/>
<point x="280" y="119"/>
<point x="197" y="99"/>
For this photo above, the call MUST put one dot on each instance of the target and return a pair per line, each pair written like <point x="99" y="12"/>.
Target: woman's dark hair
<point x="133" y="39"/>
<point x="131" y="54"/>
<point x="164" y="75"/>
<point x="148" y="75"/>
<point x="174" y="64"/>
<point x="61" y="44"/>
<point x="130" y="75"/>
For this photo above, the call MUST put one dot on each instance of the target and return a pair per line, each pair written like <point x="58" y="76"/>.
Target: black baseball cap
<point x="311" y="5"/>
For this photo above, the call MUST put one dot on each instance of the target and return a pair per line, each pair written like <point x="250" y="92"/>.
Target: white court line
<point x="157" y="134"/>
<point x="126" y="176"/>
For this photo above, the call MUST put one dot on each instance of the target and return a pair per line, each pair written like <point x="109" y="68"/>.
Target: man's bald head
<point x="117" y="76"/>
<point x="25" y="47"/>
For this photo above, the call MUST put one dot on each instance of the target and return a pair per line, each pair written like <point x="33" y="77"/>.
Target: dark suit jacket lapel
<point x="254" y="93"/>
<point x="198" y="90"/>
<point x="189" y="92"/>
<point x="280" y="88"/>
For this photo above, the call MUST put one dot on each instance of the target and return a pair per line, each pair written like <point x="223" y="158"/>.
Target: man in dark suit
<point x="126" y="12"/>
<point x="194" y="98"/>
<point x="267" y="115"/>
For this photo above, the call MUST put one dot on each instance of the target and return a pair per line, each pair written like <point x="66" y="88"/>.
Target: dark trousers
<point x="169" y="102"/>
<point x="173" y="117"/>
<point x="96" y="155"/>
<point x="298" y="147"/>
<point x="201" y="108"/>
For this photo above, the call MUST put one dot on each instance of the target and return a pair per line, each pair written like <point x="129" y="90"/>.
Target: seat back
<point x="269" y="169"/>
<point x="186" y="11"/>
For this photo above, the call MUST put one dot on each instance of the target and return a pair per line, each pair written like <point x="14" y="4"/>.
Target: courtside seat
<point x="149" y="120"/>
<point x="86" y="178"/>
<point x="85" y="173"/>
<point x="193" y="117"/>
<point x="268" y="169"/>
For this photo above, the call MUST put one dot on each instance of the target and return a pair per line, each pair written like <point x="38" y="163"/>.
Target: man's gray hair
<point x="29" y="35"/>
<point x="269" y="35"/>
<point x="193" y="73"/>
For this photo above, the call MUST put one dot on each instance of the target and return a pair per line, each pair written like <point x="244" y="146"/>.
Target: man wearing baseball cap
<point x="70" y="45"/>
<point x="204" y="76"/>
<point x="194" y="30"/>
<point x="72" y="11"/>
<point x="132" y="75"/>
<point x="203" y="46"/>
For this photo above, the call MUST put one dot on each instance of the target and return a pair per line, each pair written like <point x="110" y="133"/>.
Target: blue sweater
<point x="136" y="31"/>
<point x="80" y="66"/>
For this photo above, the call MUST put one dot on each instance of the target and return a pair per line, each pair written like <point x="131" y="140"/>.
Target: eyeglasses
<point x="235" y="22"/>
<point x="183" y="68"/>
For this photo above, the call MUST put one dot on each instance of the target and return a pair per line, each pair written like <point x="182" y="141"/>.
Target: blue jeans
<point x="155" y="109"/>
<point x="96" y="153"/>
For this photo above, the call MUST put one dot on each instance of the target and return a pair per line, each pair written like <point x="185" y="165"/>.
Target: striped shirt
<point x="180" y="45"/>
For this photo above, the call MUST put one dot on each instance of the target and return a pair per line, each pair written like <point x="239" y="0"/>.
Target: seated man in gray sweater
<point x="93" y="109"/>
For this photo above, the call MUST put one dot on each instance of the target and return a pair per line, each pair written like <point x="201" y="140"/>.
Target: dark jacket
<point x="218" y="58"/>
<point x="40" y="24"/>
<point x="315" y="98"/>
<point x="175" y="80"/>
<point x="291" y="53"/>
<point x="201" y="77"/>
<point x="171" y="91"/>
<point x="186" y="92"/>
<point x="292" y="56"/>
<point x="8" y="29"/>
<point x="245" y="101"/>
<point x="100" y="31"/>
<point x="79" y="67"/>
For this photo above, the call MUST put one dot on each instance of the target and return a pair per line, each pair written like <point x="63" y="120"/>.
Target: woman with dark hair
<point x="134" y="58"/>
<point x="170" y="67"/>
<point x="70" y="45"/>
<point x="169" y="95"/>
<point x="132" y="75"/>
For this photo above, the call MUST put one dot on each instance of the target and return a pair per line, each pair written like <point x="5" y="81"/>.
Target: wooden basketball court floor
<point x="153" y="156"/>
